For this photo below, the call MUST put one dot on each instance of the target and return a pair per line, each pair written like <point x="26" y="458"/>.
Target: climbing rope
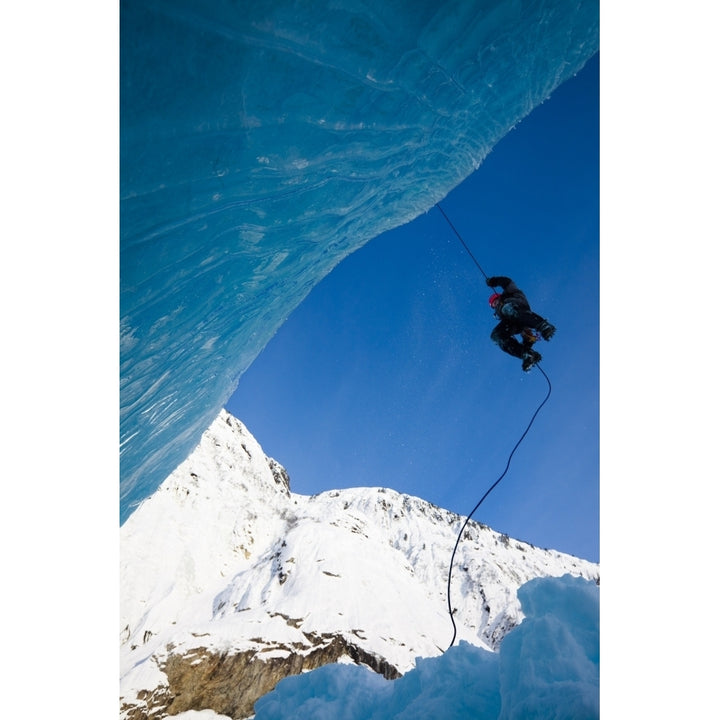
<point x="492" y="487"/>
<point x="507" y="466"/>
<point x="437" y="205"/>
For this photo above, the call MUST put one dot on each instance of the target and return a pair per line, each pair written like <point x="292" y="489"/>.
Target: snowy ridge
<point x="225" y="560"/>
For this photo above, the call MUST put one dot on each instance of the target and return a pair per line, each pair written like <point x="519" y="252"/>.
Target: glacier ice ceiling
<point x="261" y="143"/>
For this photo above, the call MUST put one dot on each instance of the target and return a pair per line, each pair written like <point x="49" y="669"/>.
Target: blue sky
<point x="659" y="154"/>
<point x="385" y="375"/>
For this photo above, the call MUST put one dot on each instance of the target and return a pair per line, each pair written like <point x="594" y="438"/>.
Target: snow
<point x="280" y="139"/>
<point x="225" y="556"/>
<point x="548" y="667"/>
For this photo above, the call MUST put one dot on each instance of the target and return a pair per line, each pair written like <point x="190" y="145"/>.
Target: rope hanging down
<point x="507" y="466"/>
<point x="492" y="487"/>
<point x="461" y="240"/>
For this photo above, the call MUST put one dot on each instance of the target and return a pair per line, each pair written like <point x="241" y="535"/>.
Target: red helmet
<point x="493" y="299"/>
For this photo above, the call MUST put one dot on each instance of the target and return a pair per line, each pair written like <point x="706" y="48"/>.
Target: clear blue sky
<point x="386" y="376"/>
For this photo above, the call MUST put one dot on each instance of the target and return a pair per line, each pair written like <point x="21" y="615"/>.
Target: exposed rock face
<point x="230" y="684"/>
<point x="231" y="582"/>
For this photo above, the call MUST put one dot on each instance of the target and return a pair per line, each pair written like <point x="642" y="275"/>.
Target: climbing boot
<point x="530" y="358"/>
<point x="546" y="330"/>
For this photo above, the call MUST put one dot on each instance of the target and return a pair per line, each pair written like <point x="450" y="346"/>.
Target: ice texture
<point x="261" y="143"/>
<point x="547" y="667"/>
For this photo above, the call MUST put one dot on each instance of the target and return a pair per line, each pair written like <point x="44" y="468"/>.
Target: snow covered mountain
<point x="229" y="581"/>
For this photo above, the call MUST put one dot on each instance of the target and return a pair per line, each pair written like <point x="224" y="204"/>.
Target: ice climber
<point x="516" y="318"/>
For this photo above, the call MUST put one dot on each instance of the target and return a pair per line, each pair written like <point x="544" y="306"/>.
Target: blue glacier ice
<point x="547" y="667"/>
<point x="262" y="142"/>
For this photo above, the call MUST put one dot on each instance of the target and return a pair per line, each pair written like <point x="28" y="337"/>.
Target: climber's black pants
<point x="514" y="321"/>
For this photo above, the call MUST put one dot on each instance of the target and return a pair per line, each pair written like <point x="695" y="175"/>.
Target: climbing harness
<point x="507" y="466"/>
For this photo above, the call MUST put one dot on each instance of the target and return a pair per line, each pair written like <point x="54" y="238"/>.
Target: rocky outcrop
<point x="230" y="684"/>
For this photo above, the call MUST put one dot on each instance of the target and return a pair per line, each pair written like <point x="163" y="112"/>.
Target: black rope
<point x="507" y="466"/>
<point x="492" y="487"/>
<point x="437" y="205"/>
